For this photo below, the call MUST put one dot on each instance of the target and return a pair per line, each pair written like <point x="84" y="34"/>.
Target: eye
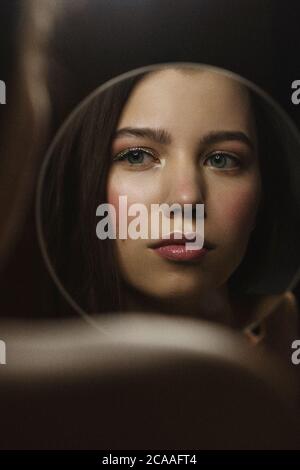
<point x="137" y="156"/>
<point x="223" y="160"/>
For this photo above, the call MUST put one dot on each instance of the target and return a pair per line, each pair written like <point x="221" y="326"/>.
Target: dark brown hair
<point x="74" y="185"/>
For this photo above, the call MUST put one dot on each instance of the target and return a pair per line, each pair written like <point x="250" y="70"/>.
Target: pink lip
<point x="176" y="249"/>
<point x="179" y="252"/>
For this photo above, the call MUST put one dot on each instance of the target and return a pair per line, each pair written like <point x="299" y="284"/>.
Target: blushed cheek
<point x="237" y="211"/>
<point x="132" y="186"/>
<point x="113" y="196"/>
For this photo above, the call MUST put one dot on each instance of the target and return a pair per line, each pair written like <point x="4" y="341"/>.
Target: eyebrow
<point x="161" y="136"/>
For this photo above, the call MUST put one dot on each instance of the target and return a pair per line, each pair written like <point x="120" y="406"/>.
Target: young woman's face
<point x="194" y="142"/>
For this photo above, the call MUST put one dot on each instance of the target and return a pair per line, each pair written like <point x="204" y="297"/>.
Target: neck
<point x="212" y="306"/>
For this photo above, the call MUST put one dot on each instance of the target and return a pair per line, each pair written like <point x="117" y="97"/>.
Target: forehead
<point x="183" y="100"/>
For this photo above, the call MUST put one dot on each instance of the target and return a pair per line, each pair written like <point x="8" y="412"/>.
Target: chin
<point x="183" y="289"/>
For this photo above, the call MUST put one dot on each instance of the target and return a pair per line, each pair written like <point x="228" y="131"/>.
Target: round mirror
<point x="172" y="188"/>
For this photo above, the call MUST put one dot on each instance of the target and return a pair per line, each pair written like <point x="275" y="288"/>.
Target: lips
<point x="180" y="253"/>
<point x="176" y="249"/>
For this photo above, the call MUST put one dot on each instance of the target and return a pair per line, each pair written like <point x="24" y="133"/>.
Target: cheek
<point x="137" y="188"/>
<point x="235" y="211"/>
<point x="130" y="185"/>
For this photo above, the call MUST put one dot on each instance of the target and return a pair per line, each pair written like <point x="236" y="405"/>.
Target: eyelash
<point x="123" y="156"/>
<point x="227" y="155"/>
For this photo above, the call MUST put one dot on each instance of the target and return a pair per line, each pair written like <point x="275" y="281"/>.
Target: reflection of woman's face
<point x="204" y="152"/>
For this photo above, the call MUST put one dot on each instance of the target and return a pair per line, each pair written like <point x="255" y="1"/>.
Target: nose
<point x="185" y="183"/>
